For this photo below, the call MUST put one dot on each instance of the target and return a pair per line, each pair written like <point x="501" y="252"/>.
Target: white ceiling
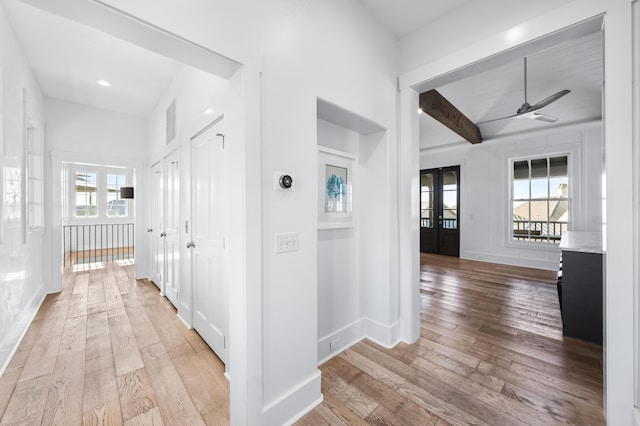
<point x="576" y="65"/>
<point x="405" y="16"/>
<point x="69" y="58"/>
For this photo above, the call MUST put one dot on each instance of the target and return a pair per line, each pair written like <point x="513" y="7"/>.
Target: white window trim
<point x="33" y="148"/>
<point x="573" y="151"/>
<point x="101" y="203"/>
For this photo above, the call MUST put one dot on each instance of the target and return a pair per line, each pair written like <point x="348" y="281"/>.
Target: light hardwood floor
<point x="109" y="350"/>
<point x="491" y="352"/>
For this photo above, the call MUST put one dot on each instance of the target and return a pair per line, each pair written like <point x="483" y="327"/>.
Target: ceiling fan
<point x="529" y="111"/>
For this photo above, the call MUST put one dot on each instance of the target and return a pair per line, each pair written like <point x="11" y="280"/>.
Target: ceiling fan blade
<point x="530" y="115"/>
<point x="497" y="119"/>
<point x="546" y="101"/>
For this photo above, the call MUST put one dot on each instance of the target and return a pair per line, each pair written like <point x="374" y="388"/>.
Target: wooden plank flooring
<point x="109" y="350"/>
<point x="491" y="352"/>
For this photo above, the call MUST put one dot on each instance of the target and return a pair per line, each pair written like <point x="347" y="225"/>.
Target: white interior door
<point x="156" y="243"/>
<point x="208" y="226"/>
<point x="172" y="226"/>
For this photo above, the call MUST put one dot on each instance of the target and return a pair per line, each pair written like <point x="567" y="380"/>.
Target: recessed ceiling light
<point x="209" y="111"/>
<point x="104" y="83"/>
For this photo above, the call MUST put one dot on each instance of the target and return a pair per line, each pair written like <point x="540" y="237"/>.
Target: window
<point x="539" y="199"/>
<point x="12" y="193"/>
<point x="426" y="200"/>
<point x="35" y="168"/>
<point x="86" y="203"/>
<point x="115" y="205"/>
<point x="92" y="193"/>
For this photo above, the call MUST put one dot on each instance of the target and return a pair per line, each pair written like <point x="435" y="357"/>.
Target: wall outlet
<point x="286" y="242"/>
<point x="333" y="344"/>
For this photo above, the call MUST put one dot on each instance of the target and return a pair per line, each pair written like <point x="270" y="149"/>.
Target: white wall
<point x="351" y="65"/>
<point x="357" y="266"/>
<point x="22" y="264"/>
<point x="378" y="242"/>
<point x="339" y="299"/>
<point x="484" y="195"/>
<point x="485" y="18"/>
<point x="200" y="98"/>
<point x="97" y="132"/>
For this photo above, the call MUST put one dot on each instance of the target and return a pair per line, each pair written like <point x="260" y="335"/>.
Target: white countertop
<point x="585" y="242"/>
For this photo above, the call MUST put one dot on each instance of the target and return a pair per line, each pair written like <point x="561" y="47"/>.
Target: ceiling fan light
<point x="544" y="117"/>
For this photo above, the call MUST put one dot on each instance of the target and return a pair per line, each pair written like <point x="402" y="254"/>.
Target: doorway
<point x="207" y="234"/>
<point x="439" y="211"/>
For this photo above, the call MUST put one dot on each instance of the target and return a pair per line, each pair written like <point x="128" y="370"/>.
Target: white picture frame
<point x="337" y="184"/>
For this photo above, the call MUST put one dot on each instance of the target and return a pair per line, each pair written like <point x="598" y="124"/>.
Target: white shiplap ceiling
<point x="575" y="65"/>
<point x="69" y="58"/>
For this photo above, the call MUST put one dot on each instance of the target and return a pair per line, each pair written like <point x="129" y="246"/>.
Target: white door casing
<point x="171" y="174"/>
<point x="156" y="225"/>
<point x="208" y="226"/>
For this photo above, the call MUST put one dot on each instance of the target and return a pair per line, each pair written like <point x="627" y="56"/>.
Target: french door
<point x="439" y="211"/>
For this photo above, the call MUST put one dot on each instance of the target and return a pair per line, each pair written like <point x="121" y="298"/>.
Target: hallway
<point x="109" y="350"/>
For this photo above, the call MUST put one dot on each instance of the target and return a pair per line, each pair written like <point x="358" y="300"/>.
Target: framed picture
<point x="336" y="186"/>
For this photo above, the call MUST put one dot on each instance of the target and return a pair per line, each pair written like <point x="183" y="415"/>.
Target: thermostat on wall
<point x="283" y="181"/>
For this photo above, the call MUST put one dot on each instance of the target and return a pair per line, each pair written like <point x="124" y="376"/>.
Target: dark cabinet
<point x="580" y="287"/>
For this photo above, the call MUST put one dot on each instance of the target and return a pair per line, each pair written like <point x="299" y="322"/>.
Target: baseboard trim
<point x="347" y="336"/>
<point x="10" y="343"/>
<point x="302" y="413"/>
<point x="186" y="324"/>
<point x="549" y="265"/>
<point x="365" y="328"/>
<point x="284" y="410"/>
<point x="384" y="335"/>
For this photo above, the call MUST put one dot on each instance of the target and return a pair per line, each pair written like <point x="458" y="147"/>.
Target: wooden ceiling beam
<point x="438" y="107"/>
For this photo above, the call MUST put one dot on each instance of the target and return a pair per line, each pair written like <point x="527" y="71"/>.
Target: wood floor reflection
<point x="110" y="350"/>
<point x="491" y="352"/>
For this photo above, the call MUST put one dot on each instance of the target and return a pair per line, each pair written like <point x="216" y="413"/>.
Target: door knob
<point x="163" y="234"/>
<point x="149" y="230"/>
<point x="190" y="244"/>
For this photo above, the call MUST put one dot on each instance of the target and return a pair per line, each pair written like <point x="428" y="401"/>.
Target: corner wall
<point x="357" y="290"/>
